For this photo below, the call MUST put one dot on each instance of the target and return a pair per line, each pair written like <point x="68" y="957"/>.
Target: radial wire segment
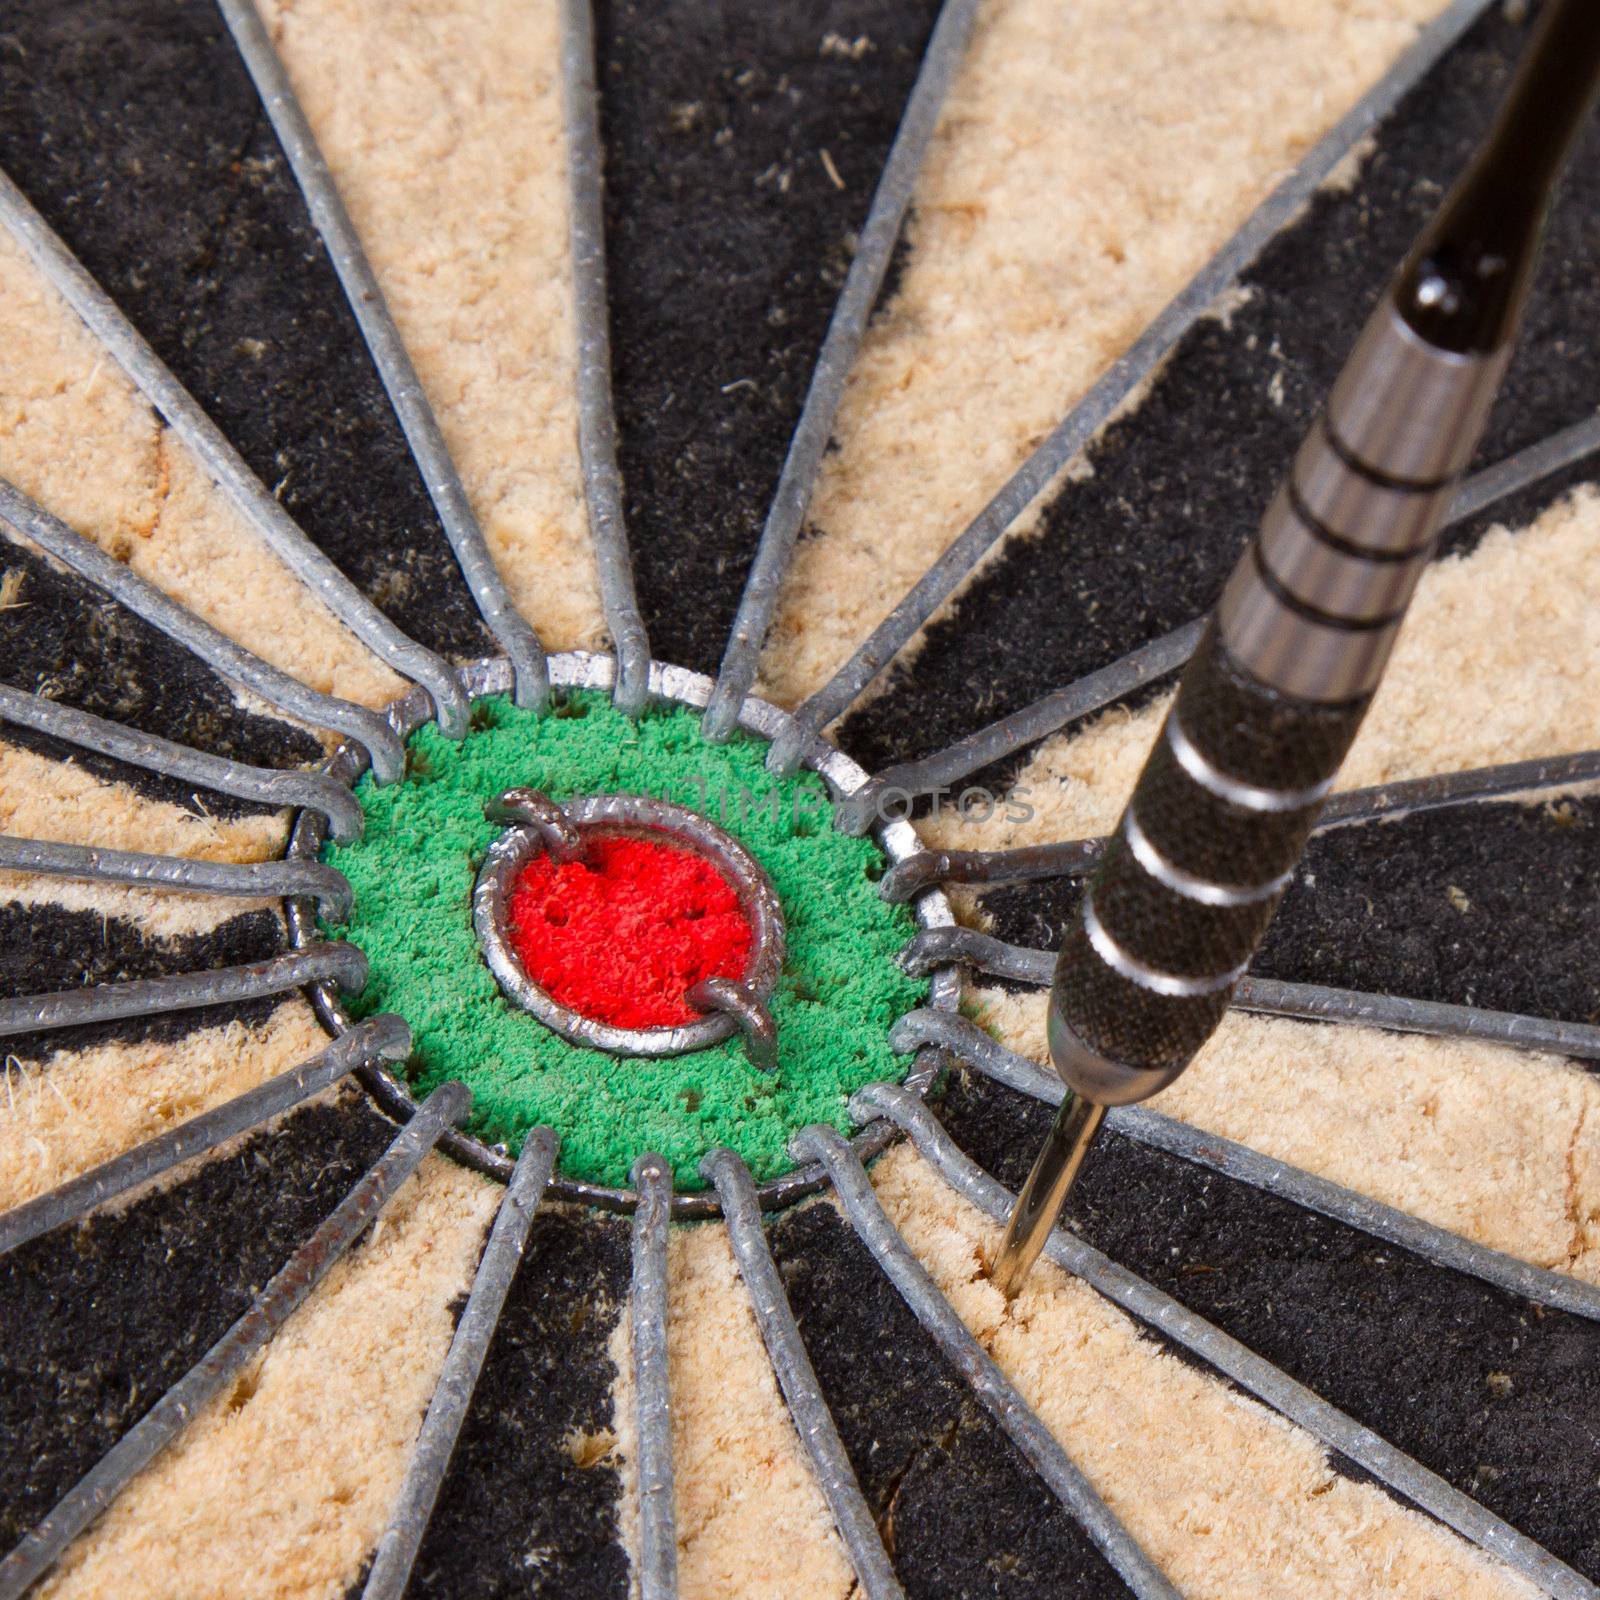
<point x="380" y="1038"/>
<point x="430" y="1459"/>
<point x="443" y="483"/>
<point x="1233" y="1160"/>
<point x="142" y="997"/>
<point x="1276" y="997"/>
<point x="1296" y="1000"/>
<point x="1044" y="1454"/>
<point x="597" y="419"/>
<point x="1526" y="467"/>
<point x="1114" y="386"/>
<point x="1313" y="1002"/>
<point x="254" y="501"/>
<point x="787" y="1352"/>
<point x="980" y="951"/>
<point x="1029" y="863"/>
<point x="253" y="880"/>
<point x="887" y="794"/>
<point x="1505" y="782"/>
<point x="217" y="650"/>
<point x="204" y="1381"/>
<point x="313" y="790"/>
<point x="1275" y="1388"/>
<point x="895" y="786"/>
<point x="1308" y="1002"/>
<point x="1073" y="858"/>
<point x="658" y="1517"/>
<point x="851" y="314"/>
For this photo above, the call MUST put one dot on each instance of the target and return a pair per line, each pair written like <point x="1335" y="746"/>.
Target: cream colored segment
<point x="1225" y="1496"/>
<point x="80" y="1108"/>
<point x="283" y="1484"/>
<point x="442" y="126"/>
<point x="751" y="1520"/>
<point x="625" y="1453"/>
<point x="62" y="802"/>
<point x="45" y="799"/>
<point x="157" y="913"/>
<point x="1061" y="205"/>
<point x="77" y="436"/>
<point x="1497" y="662"/>
<point x="1496" y="1145"/>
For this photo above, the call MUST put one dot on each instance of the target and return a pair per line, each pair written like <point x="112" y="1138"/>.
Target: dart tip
<point x="1045" y="1193"/>
<point x="1009" y="1271"/>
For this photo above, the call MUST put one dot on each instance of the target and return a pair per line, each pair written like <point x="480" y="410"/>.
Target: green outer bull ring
<point x="583" y="669"/>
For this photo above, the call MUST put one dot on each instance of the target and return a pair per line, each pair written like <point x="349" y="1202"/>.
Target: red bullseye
<point x="624" y="935"/>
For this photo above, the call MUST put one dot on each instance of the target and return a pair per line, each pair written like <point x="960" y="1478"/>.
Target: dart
<point x="515" y="554"/>
<point x="1286" y="670"/>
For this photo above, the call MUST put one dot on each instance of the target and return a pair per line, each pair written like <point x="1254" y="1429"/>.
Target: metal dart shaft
<point x="1272" y="698"/>
<point x="1045" y="1192"/>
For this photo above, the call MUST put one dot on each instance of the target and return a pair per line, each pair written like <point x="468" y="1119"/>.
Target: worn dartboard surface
<point x="1138" y="241"/>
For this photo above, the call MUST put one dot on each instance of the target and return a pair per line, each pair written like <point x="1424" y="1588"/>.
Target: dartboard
<point x="580" y="586"/>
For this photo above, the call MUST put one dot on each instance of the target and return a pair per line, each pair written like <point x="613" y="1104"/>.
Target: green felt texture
<point x="413" y="871"/>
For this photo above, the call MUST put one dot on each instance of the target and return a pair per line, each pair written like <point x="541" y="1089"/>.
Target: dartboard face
<point x="548" y="557"/>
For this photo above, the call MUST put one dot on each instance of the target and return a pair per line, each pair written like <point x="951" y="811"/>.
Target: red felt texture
<point x="623" y="936"/>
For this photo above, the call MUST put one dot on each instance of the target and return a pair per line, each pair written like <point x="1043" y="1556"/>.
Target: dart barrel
<point x="1264" y="714"/>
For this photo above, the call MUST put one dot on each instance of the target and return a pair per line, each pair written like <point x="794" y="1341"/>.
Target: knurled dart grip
<point x="1191" y="878"/>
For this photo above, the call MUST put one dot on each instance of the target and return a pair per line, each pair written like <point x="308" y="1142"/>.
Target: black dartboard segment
<point x="1494" y="905"/>
<point x="728" y="239"/>
<point x="532" y="1490"/>
<point x="68" y="641"/>
<point x="1495" y="1394"/>
<point x="45" y="949"/>
<point x="919" y="1441"/>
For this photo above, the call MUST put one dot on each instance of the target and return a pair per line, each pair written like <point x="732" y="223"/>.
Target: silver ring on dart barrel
<point x="1273" y="697"/>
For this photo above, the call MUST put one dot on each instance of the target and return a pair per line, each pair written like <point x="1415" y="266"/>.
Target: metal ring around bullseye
<point x="642" y="817"/>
